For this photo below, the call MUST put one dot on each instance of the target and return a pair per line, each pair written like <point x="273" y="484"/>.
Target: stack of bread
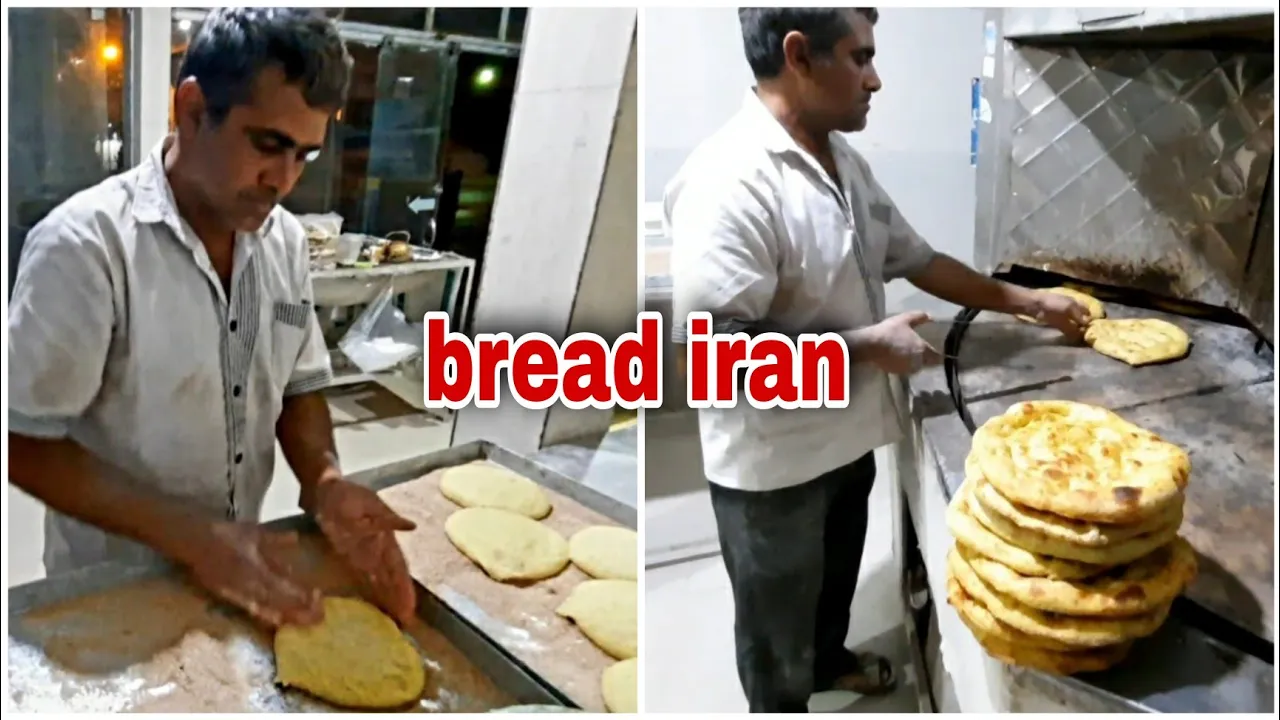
<point x="1066" y="529"/>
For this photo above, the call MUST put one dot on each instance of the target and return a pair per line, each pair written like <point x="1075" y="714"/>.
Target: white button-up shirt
<point x="122" y="339"/>
<point x="763" y="238"/>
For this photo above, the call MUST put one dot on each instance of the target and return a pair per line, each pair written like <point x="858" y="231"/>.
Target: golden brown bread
<point x="1138" y="341"/>
<point x="1080" y="462"/>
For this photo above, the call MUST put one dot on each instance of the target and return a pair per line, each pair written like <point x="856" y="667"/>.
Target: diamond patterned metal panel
<point x="1137" y="167"/>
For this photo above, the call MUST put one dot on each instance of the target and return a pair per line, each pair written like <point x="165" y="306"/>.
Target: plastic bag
<point x="381" y="339"/>
<point x="328" y="225"/>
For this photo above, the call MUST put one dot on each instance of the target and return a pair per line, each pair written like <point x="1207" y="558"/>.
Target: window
<point x="476" y="22"/>
<point x="67" y="108"/>
<point x="515" y="24"/>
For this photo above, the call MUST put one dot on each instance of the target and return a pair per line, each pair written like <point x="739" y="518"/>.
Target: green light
<point x="485" y="78"/>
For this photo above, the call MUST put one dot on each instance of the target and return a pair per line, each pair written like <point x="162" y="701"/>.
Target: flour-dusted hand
<point x="895" y="347"/>
<point x="249" y="567"/>
<point x="361" y="529"/>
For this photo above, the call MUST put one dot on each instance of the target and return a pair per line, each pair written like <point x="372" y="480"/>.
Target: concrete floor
<point x="688" y="609"/>
<point x="372" y="428"/>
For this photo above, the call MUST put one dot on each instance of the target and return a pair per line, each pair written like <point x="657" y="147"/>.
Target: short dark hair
<point x="233" y="45"/>
<point x="764" y="28"/>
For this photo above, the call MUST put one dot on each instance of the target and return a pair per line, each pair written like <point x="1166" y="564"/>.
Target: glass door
<point x="412" y="96"/>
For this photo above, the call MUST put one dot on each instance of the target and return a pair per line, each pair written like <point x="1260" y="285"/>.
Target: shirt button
<point x="239" y="457"/>
<point x="232" y="325"/>
<point x="235" y="391"/>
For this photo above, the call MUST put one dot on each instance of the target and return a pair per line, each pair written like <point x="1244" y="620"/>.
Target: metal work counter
<point x="1218" y="404"/>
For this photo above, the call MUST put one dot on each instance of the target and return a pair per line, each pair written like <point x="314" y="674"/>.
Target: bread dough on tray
<point x="507" y="546"/>
<point x="355" y="658"/>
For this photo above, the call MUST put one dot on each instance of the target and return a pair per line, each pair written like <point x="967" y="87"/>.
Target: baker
<point x="778" y="224"/>
<point x="162" y="339"/>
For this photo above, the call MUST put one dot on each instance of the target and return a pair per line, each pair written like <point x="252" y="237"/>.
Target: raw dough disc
<point x="1014" y="648"/>
<point x="1075" y="532"/>
<point x="1079" y="632"/>
<point x="507" y="546"/>
<point x="1133" y="589"/>
<point x="605" y="552"/>
<point x="974" y="535"/>
<point x="1125" y="551"/>
<point x="1090" y="303"/>
<point x="1138" y="341"/>
<point x="605" y="611"/>
<point x="618" y="685"/>
<point x="481" y="484"/>
<point x="1081" y="462"/>
<point x="355" y="658"/>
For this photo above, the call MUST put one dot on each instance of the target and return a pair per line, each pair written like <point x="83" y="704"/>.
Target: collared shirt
<point x="763" y="237"/>
<point x="122" y="339"/>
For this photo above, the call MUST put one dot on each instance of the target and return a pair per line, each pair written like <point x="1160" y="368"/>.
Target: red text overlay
<point x="810" y="373"/>
<point x="583" y="372"/>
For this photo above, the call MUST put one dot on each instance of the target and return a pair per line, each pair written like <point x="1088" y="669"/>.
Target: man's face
<point x="837" y="89"/>
<point x="251" y="160"/>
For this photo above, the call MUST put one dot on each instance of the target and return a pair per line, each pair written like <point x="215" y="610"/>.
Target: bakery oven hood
<point x="1132" y="148"/>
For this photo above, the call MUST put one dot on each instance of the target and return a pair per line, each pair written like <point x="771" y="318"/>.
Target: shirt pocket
<point x="289" y="323"/>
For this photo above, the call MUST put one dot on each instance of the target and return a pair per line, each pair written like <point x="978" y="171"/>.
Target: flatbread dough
<point x="1078" y="632"/>
<point x="1017" y="648"/>
<point x="1090" y="303"/>
<point x="1138" y="341"/>
<point x="481" y="484"/>
<point x="618" y="685"/>
<point x="1134" y="589"/>
<point x="355" y="658"/>
<point x="1056" y="527"/>
<point x="971" y="533"/>
<point x="1119" y="553"/>
<point x="507" y="546"/>
<point x="605" y="552"/>
<point x="605" y="611"/>
<point x="1081" y="462"/>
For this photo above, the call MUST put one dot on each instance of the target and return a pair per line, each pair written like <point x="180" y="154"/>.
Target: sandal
<point x="874" y="676"/>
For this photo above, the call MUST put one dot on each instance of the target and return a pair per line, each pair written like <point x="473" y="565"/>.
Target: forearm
<point x="70" y="480"/>
<point x="305" y="432"/>
<point x="949" y="279"/>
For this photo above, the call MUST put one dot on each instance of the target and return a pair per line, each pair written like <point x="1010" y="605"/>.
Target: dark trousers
<point x="793" y="557"/>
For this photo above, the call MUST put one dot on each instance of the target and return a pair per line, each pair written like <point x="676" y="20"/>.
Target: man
<point x="162" y="338"/>
<point x="778" y="225"/>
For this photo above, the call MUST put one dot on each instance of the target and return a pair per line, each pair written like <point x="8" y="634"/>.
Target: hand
<point x="1061" y="312"/>
<point x="249" y="567"/>
<point x="361" y="529"/>
<point x="897" y="348"/>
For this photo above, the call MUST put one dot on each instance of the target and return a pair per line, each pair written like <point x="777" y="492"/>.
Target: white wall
<point x="550" y="212"/>
<point x="917" y="140"/>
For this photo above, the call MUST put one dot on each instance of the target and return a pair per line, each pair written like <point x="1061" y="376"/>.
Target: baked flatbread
<point x="1133" y="589"/>
<point x="971" y="533"/>
<point x="1081" y="462"/>
<point x="1119" y="553"/>
<point x="1090" y="303"/>
<point x="355" y="658"/>
<point x="1138" y="341"/>
<point x="1056" y="527"/>
<point x="1016" y="648"/>
<point x="1082" y="632"/>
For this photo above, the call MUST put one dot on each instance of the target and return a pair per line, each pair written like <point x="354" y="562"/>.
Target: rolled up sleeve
<point x="907" y="254"/>
<point x="61" y="318"/>
<point x="724" y="258"/>
<point x="312" y="371"/>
